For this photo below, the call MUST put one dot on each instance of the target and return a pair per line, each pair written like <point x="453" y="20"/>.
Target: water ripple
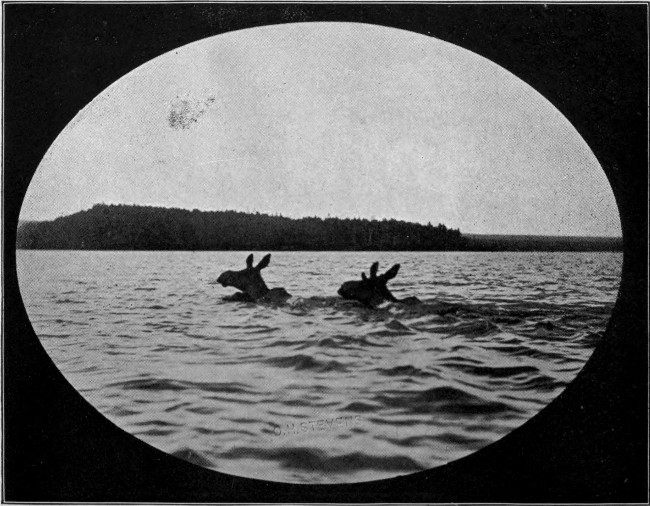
<point x="147" y="339"/>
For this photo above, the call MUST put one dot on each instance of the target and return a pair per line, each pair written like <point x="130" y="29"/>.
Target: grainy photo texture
<point x="318" y="251"/>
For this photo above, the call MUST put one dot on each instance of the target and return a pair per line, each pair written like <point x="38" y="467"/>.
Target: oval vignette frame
<point x="127" y="93"/>
<point x="607" y="374"/>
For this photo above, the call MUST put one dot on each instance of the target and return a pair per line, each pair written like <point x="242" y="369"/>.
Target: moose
<point x="250" y="282"/>
<point x="373" y="291"/>
<point x="370" y="291"/>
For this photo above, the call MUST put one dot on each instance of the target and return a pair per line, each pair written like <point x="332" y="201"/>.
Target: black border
<point x="589" y="60"/>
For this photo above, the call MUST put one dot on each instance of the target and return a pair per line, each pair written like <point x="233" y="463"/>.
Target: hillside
<point x="124" y="227"/>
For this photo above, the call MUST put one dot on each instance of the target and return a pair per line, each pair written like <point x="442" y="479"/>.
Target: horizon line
<point x="267" y="213"/>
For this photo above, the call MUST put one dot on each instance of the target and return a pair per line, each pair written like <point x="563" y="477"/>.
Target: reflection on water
<point x="319" y="389"/>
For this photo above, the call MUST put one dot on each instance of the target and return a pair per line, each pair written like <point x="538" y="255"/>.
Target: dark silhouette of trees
<point x="126" y="227"/>
<point x="541" y="243"/>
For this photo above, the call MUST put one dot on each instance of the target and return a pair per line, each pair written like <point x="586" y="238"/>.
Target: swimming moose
<point x="251" y="284"/>
<point x="373" y="291"/>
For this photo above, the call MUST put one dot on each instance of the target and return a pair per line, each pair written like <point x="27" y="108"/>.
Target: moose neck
<point x="258" y="290"/>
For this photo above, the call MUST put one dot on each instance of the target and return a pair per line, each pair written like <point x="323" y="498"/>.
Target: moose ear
<point x="392" y="272"/>
<point x="373" y="270"/>
<point x="264" y="262"/>
<point x="249" y="261"/>
<point x="363" y="276"/>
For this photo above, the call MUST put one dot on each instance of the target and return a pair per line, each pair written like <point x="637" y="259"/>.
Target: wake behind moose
<point x="250" y="282"/>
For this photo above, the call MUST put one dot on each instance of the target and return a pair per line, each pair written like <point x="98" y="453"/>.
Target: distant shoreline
<point x="143" y="228"/>
<point x="542" y="243"/>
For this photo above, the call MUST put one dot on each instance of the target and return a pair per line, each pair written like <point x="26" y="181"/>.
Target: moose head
<point x="370" y="291"/>
<point x="250" y="282"/>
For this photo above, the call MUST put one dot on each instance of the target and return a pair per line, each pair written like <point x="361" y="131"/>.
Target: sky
<point x="330" y="119"/>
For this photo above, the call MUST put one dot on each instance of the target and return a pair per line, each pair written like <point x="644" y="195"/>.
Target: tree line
<point x="130" y="227"/>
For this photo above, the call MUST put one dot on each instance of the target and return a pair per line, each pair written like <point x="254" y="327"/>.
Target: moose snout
<point x="347" y="289"/>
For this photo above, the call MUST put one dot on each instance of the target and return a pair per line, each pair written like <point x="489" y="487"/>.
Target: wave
<point x="446" y="438"/>
<point x="193" y="457"/>
<point x="404" y="370"/>
<point x="319" y="461"/>
<point x="306" y="362"/>
<point x="444" y="399"/>
<point x="69" y="301"/>
<point x="361" y="407"/>
<point x="497" y="372"/>
<point x="162" y="384"/>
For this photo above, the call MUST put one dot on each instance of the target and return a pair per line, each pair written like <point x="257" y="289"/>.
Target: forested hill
<point x="126" y="227"/>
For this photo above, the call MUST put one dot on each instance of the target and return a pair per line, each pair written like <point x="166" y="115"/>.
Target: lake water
<point x="319" y="390"/>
